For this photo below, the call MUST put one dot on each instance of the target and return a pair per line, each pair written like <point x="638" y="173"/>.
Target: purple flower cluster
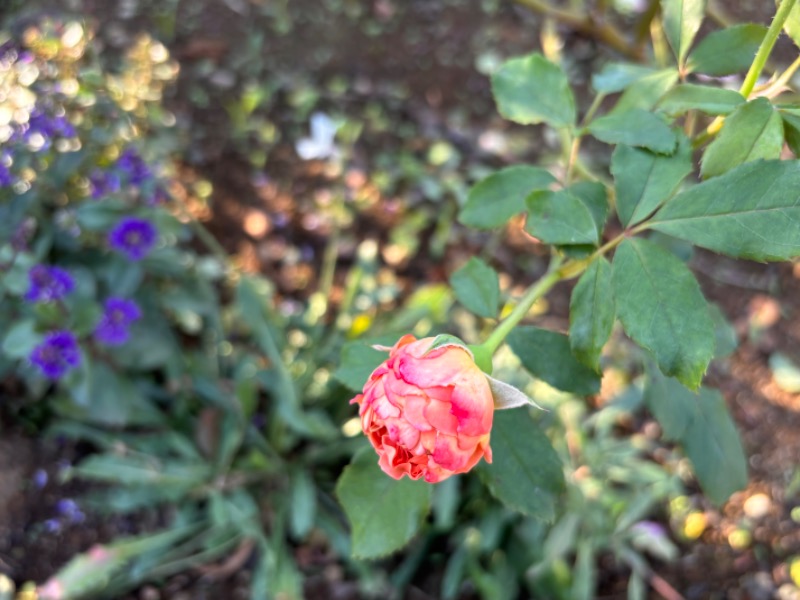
<point x="57" y="354"/>
<point x="133" y="167"/>
<point x="133" y="237"/>
<point x="103" y="183"/>
<point x="6" y="180"/>
<point x="46" y="125"/>
<point x="47" y="284"/>
<point x="130" y="169"/>
<point x="112" y="330"/>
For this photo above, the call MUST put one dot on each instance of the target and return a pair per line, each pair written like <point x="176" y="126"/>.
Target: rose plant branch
<point x="756" y="67"/>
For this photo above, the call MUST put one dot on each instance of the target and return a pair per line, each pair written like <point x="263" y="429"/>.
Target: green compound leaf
<point x="594" y="197"/>
<point x="477" y="287"/>
<point x="591" y="313"/>
<point x="712" y="444"/>
<point x="753" y="211"/>
<point x="494" y="200"/>
<point x="647" y="91"/>
<point x="531" y="90"/>
<point x="728" y="51"/>
<point x="752" y="131"/>
<point x="560" y="218"/>
<point x="682" y="20"/>
<point x="384" y="513"/>
<point x="663" y="310"/>
<point x="706" y="99"/>
<point x="643" y="180"/>
<point x="526" y="474"/>
<point x="615" y="76"/>
<point x="547" y="356"/>
<point x="636" y="127"/>
<point x="701" y="423"/>
<point x="672" y="405"/>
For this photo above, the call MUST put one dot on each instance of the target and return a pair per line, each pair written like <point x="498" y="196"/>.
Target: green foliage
<point x="682" y="20"/>
<point x="384" y="513"/>
<point x="477" y="287"/>
<point x="727" y="51"/>
<point x="233" y="410"/>
<point x="702" y="424"/>
<point x="592" y="313"/>
<point x="643" y="180"/>
<point x="533" y="90"/>
<point x="635" y="127"/>
<point x="708" y="100"/>
<point x="547" y="356"/>
<point x="494" y="200"/>
<point x="750" y="212"/>
<point x="752" y="132"/>
<point x="525" y="473"/>
<point x="560" y="218"/>
<point x="662" y="308"/>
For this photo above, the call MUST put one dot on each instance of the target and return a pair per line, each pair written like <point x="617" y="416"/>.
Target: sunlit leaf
<point x="531" y="90"/>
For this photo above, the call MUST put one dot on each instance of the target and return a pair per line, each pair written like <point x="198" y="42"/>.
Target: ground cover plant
<point x="236" y="414"/>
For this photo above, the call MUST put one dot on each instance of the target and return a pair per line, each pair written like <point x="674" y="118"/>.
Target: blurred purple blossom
<point x="113" y="327"/>
<point x="133" y="167"/>
<point x="47" y="126"/>
<point x="5" y="176"/>
<point x="47" y="284"/>
<point x="40" y="478"/>
<point x="66" y="507"/>
<point x="649" y="528"/>
<point x="57" y="354"/>
<point x="133" y="237"/>
<point x="52" y="526"/>
<point x="103" y="183"/>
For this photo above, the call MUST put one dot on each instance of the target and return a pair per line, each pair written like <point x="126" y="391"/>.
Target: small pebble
<point x="757" y="506"/>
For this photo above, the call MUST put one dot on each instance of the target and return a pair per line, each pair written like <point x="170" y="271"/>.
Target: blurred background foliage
<point x="306" y="162"/>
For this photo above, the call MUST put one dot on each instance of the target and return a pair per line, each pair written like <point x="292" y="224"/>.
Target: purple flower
<point x="40" y="478"/>
<point x="133" y="237"/>
<point x="103" y="183"/>
<point x="133" y="167"/>
<point x="5" y="176"/>
<point x="48" y="283"/>
<point x="57" y="354"/>
<point x="47" y="126"/>
<point x="113" y="327"/>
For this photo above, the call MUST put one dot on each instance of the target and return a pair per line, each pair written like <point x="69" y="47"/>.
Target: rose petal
<point x="440" y="418"/>
<point x="447" y="453"/>
<point x="472" y="405"/>
<point x="402" y="433"/>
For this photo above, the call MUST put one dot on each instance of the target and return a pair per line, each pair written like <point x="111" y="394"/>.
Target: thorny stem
<point x="760" y="60"/>
<point x="765" y="49"/>
<point x="604" y="32"/>
<point x="775" y="87"/>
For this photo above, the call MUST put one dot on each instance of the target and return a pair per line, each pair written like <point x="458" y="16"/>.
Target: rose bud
<point x="427" y="410"/>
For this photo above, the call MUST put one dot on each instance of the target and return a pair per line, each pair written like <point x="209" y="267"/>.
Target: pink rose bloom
<point x="427" y="413"/>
